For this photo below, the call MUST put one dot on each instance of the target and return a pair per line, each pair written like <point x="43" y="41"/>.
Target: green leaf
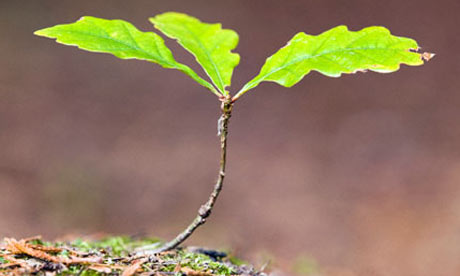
<point x="335" y="52"/>
<point x="121" y="39"/>
<point x="209" y="43"/>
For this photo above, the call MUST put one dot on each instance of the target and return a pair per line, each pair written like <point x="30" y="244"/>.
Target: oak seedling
<point x="332" y="53"/>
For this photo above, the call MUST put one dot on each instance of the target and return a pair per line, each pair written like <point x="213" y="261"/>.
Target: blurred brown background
<point x="358" y="173"/>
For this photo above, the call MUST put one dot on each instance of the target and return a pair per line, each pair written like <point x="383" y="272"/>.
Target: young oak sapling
<point x="332" y="53"/>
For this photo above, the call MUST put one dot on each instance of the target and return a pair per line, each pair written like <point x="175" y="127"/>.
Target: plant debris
<point x="112" y="256"/>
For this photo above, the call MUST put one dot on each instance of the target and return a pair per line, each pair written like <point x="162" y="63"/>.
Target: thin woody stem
<point x="205" y="209"/>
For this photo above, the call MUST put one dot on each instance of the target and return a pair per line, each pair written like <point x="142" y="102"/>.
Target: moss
<point x="116" y="254"/>
<point x="117" y="246"/>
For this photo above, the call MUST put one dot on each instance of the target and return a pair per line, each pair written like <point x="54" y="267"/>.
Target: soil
<point x="114" y="256"/>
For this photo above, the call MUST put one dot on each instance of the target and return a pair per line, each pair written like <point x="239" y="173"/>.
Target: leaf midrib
<point x="306" y="57"/>
<point x="122" y="43"/>
<point x="222" y="85"/>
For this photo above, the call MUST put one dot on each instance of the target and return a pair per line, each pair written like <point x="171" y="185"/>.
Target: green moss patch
<point x="113" y="256"/>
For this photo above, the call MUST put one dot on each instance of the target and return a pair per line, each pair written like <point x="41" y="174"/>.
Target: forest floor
<point x="113" y="256"/>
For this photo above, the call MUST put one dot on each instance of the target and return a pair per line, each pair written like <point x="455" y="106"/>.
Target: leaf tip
<point x="427" y="56"/>
<point x="41" y="32"/>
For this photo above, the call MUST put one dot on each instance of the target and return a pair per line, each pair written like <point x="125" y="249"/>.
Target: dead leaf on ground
<point x="40" y="247"/>
<point x="190" y="272"/>
<point x="21" y="247"/>
<point x="131" y="270"/>
<point x="13" y="261"/>
<point x="104" y="268"/>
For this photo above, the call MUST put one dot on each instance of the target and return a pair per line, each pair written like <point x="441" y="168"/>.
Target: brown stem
<point x="205" y="209"/>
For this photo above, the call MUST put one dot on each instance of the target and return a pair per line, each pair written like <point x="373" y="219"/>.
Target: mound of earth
<point x="113" y="256"/>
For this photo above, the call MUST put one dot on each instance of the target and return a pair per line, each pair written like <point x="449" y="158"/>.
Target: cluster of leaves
<point x="331" y="53"/>
<point x="110" y="256"/>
